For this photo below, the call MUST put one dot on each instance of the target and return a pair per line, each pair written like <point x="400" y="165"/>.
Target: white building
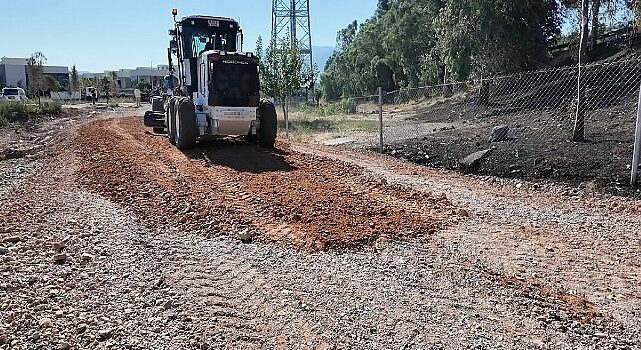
<point x="13" y="72"/>
<point x="128" y="79"/>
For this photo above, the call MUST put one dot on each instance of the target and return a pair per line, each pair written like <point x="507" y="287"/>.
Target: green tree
<point x="144" y="85"/>
<point x="114" y="89"/>
<point x="345" y="37"/>
<point x="51" y="84"/>
<point x="282" y="72"/>
<point x="102" y="86"/>
<point x="382" y="7"/>
<point x="86" y="82"/>
<point x="422" y="42"/>
<point x="36" y="74"/>
<point x="598" y="12"/>
<point x="74" y="83"/>
<point x="481" y="37"/>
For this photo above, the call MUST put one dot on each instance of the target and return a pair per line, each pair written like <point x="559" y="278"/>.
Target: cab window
<point x="202" y="42"/>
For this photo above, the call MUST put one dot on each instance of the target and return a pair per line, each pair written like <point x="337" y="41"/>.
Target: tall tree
<point x="51" y="84"/>
<point x="423" y="42"/>
<point x="345" y="37"/>
<point x="494" y="36"/>
<point x="283" y="72"/>
<point x="74" y="83"/>
<point x="594" y="31"/>
<point x="114" y="89"/>
<point x="103" y="86"/>
<point x="36" y="74"/>
<point x="382" y="7"/>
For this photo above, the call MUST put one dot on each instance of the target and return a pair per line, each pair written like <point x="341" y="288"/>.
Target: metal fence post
<point x="636" y="157"/>
<point x="380" y="119"/>
<point x="286" y="108"/>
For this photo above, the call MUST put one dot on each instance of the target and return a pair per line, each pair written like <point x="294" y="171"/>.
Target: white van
<point x="14" y="94"/>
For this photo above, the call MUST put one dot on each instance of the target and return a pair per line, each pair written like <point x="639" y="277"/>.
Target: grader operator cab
<point x="218" y="88"/>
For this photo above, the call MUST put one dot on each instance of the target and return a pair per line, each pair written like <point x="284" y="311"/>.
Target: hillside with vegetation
<point x="408" y="43"/>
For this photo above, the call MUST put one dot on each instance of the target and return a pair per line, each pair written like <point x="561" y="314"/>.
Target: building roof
<point x="13" y="61"/>
<point x="23" y="62"/>
<point x="55" y="70"/>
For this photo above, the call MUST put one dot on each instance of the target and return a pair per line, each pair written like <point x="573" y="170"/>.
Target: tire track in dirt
<point x="536" y="251"/>
<point x="230" y="187"/>
<point x="308" y="200"/>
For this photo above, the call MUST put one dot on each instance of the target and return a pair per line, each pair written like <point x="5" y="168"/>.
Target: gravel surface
<point x="228" y="187"/>
<point x="86" y="265"/>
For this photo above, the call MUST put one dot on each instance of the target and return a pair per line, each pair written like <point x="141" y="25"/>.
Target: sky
<point x="113" y="34"/>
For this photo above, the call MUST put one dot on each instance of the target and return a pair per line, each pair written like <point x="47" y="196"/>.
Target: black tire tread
<point x="268" y="124"/>
<point x="186" y="123"/>
<point x="171" y="120"/>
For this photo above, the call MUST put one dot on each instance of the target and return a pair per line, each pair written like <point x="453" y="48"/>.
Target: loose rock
<point x="13" y="239"/>
<point x="45" y="322"/>
<point x="472" y="161"/>
<point x="60" y="258"/>
<point x="499" y="133"/>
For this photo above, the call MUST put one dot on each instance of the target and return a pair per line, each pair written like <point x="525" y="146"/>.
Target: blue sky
<point x="112" y="34"/>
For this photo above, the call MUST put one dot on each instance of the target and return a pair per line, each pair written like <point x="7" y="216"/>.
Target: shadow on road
<point x="241" y="156"/>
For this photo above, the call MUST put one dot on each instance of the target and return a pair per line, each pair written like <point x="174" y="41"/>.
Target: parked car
<point x="14" y="94"/>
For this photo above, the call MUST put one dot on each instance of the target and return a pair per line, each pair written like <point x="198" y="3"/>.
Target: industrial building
<point x="13" y="72"/>
<point x="128" y="79"/>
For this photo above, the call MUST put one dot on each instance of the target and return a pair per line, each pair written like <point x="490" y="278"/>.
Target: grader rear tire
<point x="170" y="120"/>
<point x="268" y="124"/>
<point x="186" y="126"/>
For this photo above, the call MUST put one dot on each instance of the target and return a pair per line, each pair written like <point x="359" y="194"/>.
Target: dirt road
<point x="114" y="239"/>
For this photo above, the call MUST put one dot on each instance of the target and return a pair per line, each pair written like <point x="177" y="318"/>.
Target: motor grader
<point x="217" y="90"/>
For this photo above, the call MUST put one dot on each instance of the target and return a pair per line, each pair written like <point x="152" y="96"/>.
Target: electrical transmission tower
<point x="290" y="20"/>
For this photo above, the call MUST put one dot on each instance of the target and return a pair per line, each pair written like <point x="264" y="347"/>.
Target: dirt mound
<point x="228" y="187"/>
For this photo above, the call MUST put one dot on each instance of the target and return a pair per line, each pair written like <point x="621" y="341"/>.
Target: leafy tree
<point x="74" y="82"/>
<point x="481" y="37"/>
<point x="423" y="42"/>
<point x="283" y="71"/>
<point x="382" y="7"/>
<point x="52" y="84"/>
<point x="114" y="89"/>
<point x="599" y="11"/>
<point x="102" y="86"/>
<point x="345" y="37"/>
<point x="86" y="82"/>
<point x="36" y="74"/>
<point x="144" y="85"/>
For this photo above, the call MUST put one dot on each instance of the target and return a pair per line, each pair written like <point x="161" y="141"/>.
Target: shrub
<point x="345" y="106"/>
<point x="50" y="108"/>
<point x="14" y="111"/>
<point x="17" y="112"/>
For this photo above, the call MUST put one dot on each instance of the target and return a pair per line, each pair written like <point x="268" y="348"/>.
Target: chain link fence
<point x="520" y="125"/>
